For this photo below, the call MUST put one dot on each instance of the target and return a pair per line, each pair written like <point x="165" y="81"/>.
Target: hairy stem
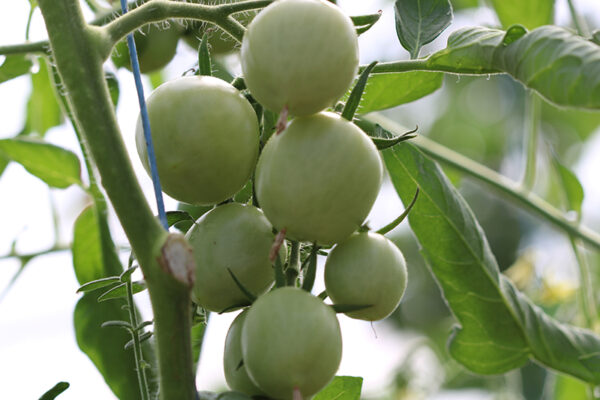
<point x="25" y="48"/>
<point x="513" y="191"/>
<point x="78" y="51"/>
<point x="154" y="11"/>
<point x="137" y="347"/>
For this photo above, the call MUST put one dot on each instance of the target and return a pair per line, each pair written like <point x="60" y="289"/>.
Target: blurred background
<point x="403" y="357"/>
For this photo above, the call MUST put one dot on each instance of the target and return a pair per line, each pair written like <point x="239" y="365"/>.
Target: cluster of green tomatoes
<point x="315" y="181"/>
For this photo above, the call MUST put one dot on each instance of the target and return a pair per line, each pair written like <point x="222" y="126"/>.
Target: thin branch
<point x="41" y="47"/>
<point x="54" y="249"/>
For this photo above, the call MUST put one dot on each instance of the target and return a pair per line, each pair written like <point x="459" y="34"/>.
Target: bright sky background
<point x="37" y="344"/>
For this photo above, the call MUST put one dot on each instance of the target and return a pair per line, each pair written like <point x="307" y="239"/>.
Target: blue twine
<point x="135" y="66"/>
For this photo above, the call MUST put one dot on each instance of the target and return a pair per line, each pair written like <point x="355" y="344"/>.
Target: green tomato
<point x="319" y="178"/>
<point x="302" y="54"/>
<point x="231" y="237"/>
<point x="155" y="48"/>
<point x="235" y="374"/>
<point x="366" y="269"/>
<point x="205" y="136"/>
<point x="291" y="339"/>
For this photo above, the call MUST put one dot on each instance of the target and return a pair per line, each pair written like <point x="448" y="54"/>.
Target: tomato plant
<point x="366" y="269"/>
<point x="308" y="179"/>
<point x="276" y="165"/>
<point x="286" y="62"/>
<point x="291" y="341"/>
<point x="206" y="139"/>
<point x="231" y="239"/>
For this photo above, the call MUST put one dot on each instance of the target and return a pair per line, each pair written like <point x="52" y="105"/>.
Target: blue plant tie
<point x="135" y="66"/>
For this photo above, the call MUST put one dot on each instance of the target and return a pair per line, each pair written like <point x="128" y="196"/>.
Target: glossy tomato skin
<point x="319" y="178"/>
<point x="236" y="237"/>
<point x="155" y="48"/>
<point x="236" y="376"/>
<point x="291" y="339"/>
<point x="205" y="136"/>
<point x="299" y="53"/>
<point x="367" y="268"/>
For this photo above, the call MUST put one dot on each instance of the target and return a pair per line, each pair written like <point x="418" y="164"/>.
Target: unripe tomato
<point x="236" y="375"/>
<point x="155" y="48"/>
<point x="205" y="136"/>
<point x="319" y="178"/>
<point x="366" y="269"/>
<point x="235" y="237"/>
<point x="299" y="53"/>
<point x="291" y="339"/>
<point x="220" y="42"/>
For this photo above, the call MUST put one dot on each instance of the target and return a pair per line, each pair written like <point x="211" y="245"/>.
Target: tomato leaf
<point x="500" y="329"/>
<point x="204" y="63"/>
<point x="341" y="388"/>
<point x="469" y="50"/>
<point x="563" y="67"/>
<point x="365" y="22"/>
<point x="14" y="66"/>
<point x="120" y="291"/>
<point x="113" y="87"/>
<point x="54" y="165"/>
<point x="43" y="109"/>
<point x="105" y="346"/>
<point x="98" y="283"/>
<point x="530" y="13"/>
<point x="394" y="89"/>
<point x="567" y="388"/>
<point x="572" y="188"/>
<point x="419" y="22"/>
<point x="94" y="258"/>
<point x="357" y="92"/>
<point x="143" y="337"/>
<point x="55" y="391"/>
<point x="175" y="217"/>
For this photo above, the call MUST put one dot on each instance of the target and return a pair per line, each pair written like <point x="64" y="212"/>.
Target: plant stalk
<point x="137" y="347"/>
<point x="78" y="51"/>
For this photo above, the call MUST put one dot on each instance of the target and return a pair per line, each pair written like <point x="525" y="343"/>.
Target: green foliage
<point x="393" y="89"/>
<point x="571" y="187"/>
<point x="499" y="328"/>
<point x="561" y="66"/>
<point x="43" y="110"/>
<point x="419" y="22"/>
<point x="54" y="165"/>
<point x="530" y="13"/>
<point x="94" y="258"/>
<point x="14" y="66"/>
<point x="55" y="391"/>
<point x="341" y="388"/>
<point x="469" y="51"/>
